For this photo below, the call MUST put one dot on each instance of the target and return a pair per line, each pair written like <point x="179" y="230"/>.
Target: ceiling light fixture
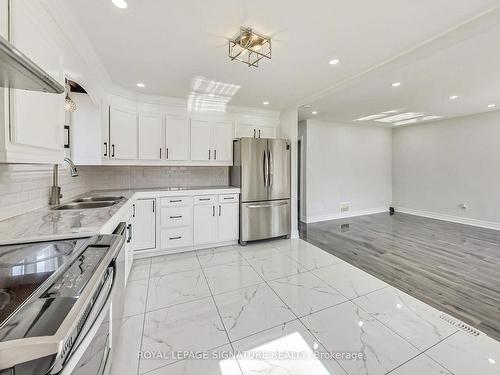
<point x="249" y="47"/>
<point x="314" y="112"/>
<point x="265" y="103"/>
<point x="334" y="61"/>
<point x="141" y="85"/>
<point x="396" y="84"/>
<point x="122" y="4"/>
<point x="492" y="106"/>
<point x="453" y="97"/>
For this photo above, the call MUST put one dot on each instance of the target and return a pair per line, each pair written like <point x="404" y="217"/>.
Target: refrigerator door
<point x="261" y="220"/>
<point x="279" y="169"/>
<point x="254" y="169"/>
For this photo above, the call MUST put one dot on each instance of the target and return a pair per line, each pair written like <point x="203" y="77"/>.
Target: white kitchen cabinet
<point x="150" y="136"/>
<point x="32" y="122"/>
<point x="255" y="130"/>
<point x="176" y="138"/>
<point x="228" y="222"/>
<point x="144" y="225"/>
<point x="211" y="141"/>
<point x="201" y="140"/>
<point x="205" y="223"/>
<point x="122" y="133"/>
<point x="223" y="141"/>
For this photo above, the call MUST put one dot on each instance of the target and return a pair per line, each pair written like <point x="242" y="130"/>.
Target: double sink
<point x="89" y="202"/>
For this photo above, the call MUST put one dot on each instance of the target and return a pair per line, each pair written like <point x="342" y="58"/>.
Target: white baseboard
<point x="295" y="234"/>
<point x="453" y="219"/>
<point x="369" y="211"/>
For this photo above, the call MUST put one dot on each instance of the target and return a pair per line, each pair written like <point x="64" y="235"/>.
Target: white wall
<point x="441" y="165"/>
<point x="347" y="163"/>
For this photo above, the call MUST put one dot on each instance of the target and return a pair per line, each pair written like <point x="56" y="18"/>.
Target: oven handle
<point x="92" y="324"/>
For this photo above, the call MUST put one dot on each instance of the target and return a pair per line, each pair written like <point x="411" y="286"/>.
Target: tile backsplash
<point x="26" y="187"/>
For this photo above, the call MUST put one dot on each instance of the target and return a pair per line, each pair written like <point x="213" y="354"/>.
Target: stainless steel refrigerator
<point x="262" y="170"/>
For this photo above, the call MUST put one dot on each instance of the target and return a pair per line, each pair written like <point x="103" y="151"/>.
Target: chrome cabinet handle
<point x="220" y="208"/>
<point x="160" y="152"/>
<point x="176" y="200"/>
<point x="105" y="148"/>
<point x="176" y="217"/>
<point x="154" y="205"/>
<point x="225" y="198"/>
<point x="129" y="227"/>
<point x="113" y="148"/>
<point x="167" y="152"/>
<point x="215" y="154"/>
<point x="254" y="133"/>
<point x="133" y="206"/>
<point x="208" y="154"/>
<point x="175" y="238"/>
<point x="204" y="199"/>
<point x="213" y="211"/>
<point x="259" y="133"/>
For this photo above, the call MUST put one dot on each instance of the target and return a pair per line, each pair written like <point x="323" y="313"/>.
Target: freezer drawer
<point x="267" y="219"/>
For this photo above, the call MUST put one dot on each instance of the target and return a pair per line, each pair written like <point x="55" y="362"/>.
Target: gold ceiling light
<point x="249" y="47"/>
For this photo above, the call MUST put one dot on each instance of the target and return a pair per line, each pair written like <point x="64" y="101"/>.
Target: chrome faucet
<point x="55" y="190"/>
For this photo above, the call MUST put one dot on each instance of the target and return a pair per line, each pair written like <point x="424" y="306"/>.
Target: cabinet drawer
<point x="229" y="198"/>
<point x="176" y="237"/>
<point x="176" y="216"/>
<point x="176" y="201"/>
<point x="205" y="199"/>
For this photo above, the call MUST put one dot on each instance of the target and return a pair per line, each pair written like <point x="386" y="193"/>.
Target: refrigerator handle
<point x="270" y="168"/>
<point x="265" y="167"/>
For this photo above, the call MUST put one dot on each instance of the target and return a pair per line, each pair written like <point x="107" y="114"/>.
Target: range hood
<point x="18" y="72"/>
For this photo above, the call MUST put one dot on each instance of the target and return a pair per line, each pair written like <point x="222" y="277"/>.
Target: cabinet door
<point x="223" y="141"/>
<point x="201" y="140"/>
<point x="205" y="224"/>
<point x="228" y="225"/>
<point x="176" y="138"/>
<point x="144" y="225"/>
<point x="246" y="131"/>
<point x="123" y="133"/>
<point x="150" y="136"/>
<point x="267" y="132"/>
<point x="36" y="118"/>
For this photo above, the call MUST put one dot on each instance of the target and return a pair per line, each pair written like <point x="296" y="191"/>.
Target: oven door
<point x="92" y="355"/>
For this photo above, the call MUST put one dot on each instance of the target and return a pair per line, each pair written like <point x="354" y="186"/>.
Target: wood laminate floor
<point x="452" y="267"/>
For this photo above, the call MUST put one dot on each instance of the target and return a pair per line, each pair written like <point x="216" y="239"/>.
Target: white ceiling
<point x="429" y="45"/>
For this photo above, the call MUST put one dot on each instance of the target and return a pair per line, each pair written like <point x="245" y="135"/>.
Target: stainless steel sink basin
<point x="84" y="205"/>
<point x="98" y="199"/>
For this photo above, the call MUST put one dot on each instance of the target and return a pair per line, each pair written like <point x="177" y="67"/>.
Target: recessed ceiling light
<point x="453" y="97"/>
<point x="265" y="103"/>
<point x="492" y="106"/>
<point x="314" y="112"/>
<point x="122" y="4"/>
<point x="396" y="84"/>
<point x="334" y="61"/>
<point x="141" y="85"/>
<point x="307" y="106"/>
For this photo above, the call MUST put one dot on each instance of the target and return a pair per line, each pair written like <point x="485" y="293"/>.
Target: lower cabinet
<point x="144" y="225"/>
<point x="176" y="222"/>
<point x="205" y="223"/>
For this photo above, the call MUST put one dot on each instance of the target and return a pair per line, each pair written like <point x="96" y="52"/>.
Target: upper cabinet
<point x="254" y="128"/>
<point x="150" y="136"/>
<point x="212" y="141"/>
<point x="32" y="122"/>
<point x="122" y="134"/>
<point x="176" y="138"/>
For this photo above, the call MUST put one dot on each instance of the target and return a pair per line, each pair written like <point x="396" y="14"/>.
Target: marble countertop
<point x="45" y="224"/>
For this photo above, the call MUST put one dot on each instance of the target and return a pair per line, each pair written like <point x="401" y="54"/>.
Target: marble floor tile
<point x="126" y="350"/>
<point x="305" y="293"/>
<point x="286" y="349"/>
<point x="413" y="320"/>
<point x="275" y="266"/>
<point x="250" y="310"/>
<point x="191" y="326"/>
<point x="215" y="258"/>
<point x="347" y="328"/>
<point x="464" y="354"/>
<point x="140" y="269"/>
<point x="220" y="361"/>
<point x="167" y="264"/>
<point x="135" y="296"/>
<point x="176" y="288"/>
<point x="349" y="280"/>
<point x="421" y="365"/>
<point x="260" y="252"/>
<point x="307" y="255"/>
<point x="227" y="277"/>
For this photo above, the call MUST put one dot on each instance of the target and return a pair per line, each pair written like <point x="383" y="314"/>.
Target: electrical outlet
<point x="345" y="207"/>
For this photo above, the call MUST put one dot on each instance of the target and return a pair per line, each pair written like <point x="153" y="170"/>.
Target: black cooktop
<point x="25" y="267"/>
